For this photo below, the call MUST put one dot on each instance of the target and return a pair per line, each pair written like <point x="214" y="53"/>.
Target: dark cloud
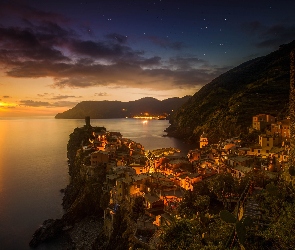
<point x="45" y="94"/>
<point x="101" y="94"/>
<point x="26" y="12"/>
<point x="186" y="63"/>
<point x="117" y="37"/>
<point x="156" y="60"/>
<point x="270" y="36"/>
<point x="44" y="48"/>
<point x="60" y="97"/>
<point x="276" y="35"/>
<point x="85" y="61"/>
<point x="166" y="43"/>
<point x="20" y="45"/>
<point x="63" y="104"/>
<point x="31" y="103"/>
<point x="52" y="33"/>
<point x="103" y="50"/>
<point x="6" y="96"/>
<point x="253" y="27"/>
<point x="77" y="75"/>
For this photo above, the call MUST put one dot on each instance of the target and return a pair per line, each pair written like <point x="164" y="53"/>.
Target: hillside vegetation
<point x="225" y="106"/>
<point x="117" y="109"/>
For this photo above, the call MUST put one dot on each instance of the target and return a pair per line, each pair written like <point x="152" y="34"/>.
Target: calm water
<point x="33" y="168"/>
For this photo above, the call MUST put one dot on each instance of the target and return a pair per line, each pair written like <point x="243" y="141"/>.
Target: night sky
<point x="54" y="54"/>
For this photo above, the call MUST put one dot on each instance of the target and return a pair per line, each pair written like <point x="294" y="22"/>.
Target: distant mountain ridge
<point x="118" y="109"/>
<point x="225" y="106"/>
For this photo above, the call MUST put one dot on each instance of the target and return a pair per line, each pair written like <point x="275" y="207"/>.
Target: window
<point x="267" y="151"/>
<point x="267" y="144"/>
<point x="258" y="151"/>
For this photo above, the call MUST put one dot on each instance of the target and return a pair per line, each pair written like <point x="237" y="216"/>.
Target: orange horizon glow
<point x="19" y="111"/>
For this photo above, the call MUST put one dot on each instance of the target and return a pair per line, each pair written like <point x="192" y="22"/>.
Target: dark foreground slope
<point x="117" y="109"/>
<point x="225" y="106"/>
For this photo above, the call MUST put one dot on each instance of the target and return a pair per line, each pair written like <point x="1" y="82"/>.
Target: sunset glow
<point x="57" y="54"/>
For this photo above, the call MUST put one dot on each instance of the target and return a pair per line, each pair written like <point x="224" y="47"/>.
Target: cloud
<point x="101" y="94"/>
<point x="60" y="97"/>
<point x="269" y="36"/>
<point x="103" y="50"/>
<point x="6" y="96"/>
<point x="63" y="104"/>
<point x="186" y="63"/>
<point x="77" y="75"/>
<point x="117" y="37"/>
<point x="253" y="27"/>
<point x="31" y="103"/>
<point x="26" y="12"/>
<point x="276" y="35"/>
<point x="166" y="43"/>
<point x="46" y="48"/>
<point x="153" y="61"/>
<point x="45" y="94"/>
<point x="20" y="45"/>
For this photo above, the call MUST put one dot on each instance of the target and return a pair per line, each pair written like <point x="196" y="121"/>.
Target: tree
<point x="193" y="204"/>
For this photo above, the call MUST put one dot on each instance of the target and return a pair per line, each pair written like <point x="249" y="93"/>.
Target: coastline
<point x="81" y="223"/>
<point x="84" y="224"/>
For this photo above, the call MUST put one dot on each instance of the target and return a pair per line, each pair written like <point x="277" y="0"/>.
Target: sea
<point x="33" y="168"/>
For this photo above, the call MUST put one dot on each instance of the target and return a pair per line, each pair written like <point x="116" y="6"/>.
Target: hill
<point x="117" y="109"/>
<point x="225" y="106"/>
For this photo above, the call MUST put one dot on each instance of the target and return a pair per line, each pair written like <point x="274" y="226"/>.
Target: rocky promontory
<point x="81" y="223"/>
<point x="115" y="196"/>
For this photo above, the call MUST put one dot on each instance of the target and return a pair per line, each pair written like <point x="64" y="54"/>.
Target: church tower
<point x="203" y="140"/>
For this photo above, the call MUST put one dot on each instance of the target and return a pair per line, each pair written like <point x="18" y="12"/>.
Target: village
<point x="161" y="177"/>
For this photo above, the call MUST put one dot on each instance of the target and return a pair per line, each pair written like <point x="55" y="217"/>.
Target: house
<point x="187" y="180"/>
<point x="99" y="157"/>
<point x="203" y="140"/>
<point x="153" y="202"/>
<point x="281" y="128"/>
<point x="261" y="121"/>
<point x="139" y="168"/>
<point x="194" y="155"/>
<point x="240" y="165"/>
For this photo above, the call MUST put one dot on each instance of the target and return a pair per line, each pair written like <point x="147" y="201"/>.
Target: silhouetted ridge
<point x="117" y="109"/>
<point x="225" y="106"/>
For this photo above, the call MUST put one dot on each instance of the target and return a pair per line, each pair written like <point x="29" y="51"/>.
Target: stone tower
<point x="87" y="121"/>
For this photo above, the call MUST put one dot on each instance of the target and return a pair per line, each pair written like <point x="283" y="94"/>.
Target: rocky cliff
<point x="81" y="223"/>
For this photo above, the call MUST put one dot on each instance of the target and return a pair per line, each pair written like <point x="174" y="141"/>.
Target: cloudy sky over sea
<point x="54" y="54"/>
